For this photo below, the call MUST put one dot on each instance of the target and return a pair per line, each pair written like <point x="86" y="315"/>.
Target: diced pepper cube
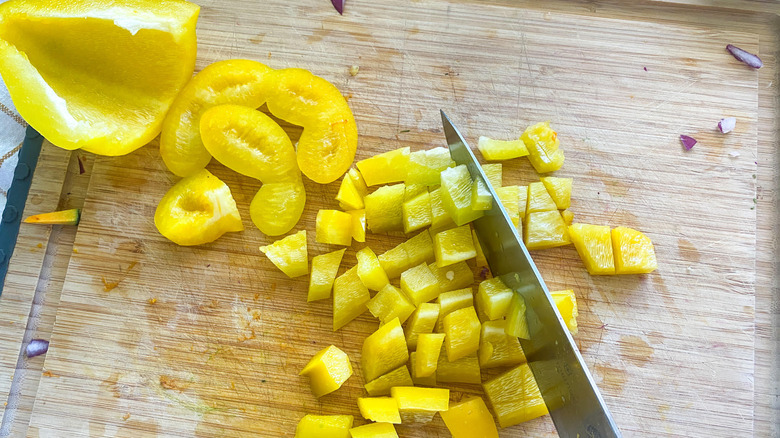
<point x="455" y="276"/>
<point x="419" y="249"/>
<point x="417" y="212"/>
<point x="370" y="270"/>
<point x="494" y="173"/>
<point x="382" y="384"/>
<point x="334" y="227"/>
<point x="324" y="268"/>
<point x="494" y="150"/>
<point x="419" y="284"/>
<point x="566" y="302"/>
<point x="425" y="166"/>
<point x="455" y="300"/>
<point x="510" y="199"/>
<point x="462" y="328"/>
<point x="349" y="298"/>
<point x="515" y="397"/>
<point x="523" y="204"/>
<point x="358" y="225"/>
<point x="464" y="370"/>
<point x="348" y="196"/>
<point x="456" y="195"/>
<point x="384" y="208"/>
<point x="379" y="409"/>
<point x="481" y="199"/>
<point x="390" y="303"/>
<point x="480" y="260"/>
<point x="453" y="246"/>
<point x="440" y="219"/>
<point x="559" y="189"/>
<point x="539" y="198"/>
<point x="634" y="252"/>
<point x="420" y="380"/>
<point x="324" y="426"/>
<point x="374" y="430"/>
<point x="594" y="245"/>
<point x="516" y="324"/>
<point x="423" y="320"/>
<point x="385" y="168"/>
<point x="289" y="254"/>
<point x="414" y="190"/>
<point x="328" y="370"/>
<point x="427" y="357"/>
<point x="384" y="350"/>
<point x="493" y="298"/>
<point x="543" y="147"/>
<point x="545" y="229"/>
<point x="470" y="418"/>
<point x="358" y="182"/>
<point x="419" y="405"/>
<point x="568" y="217"/>
<point x="394" y="261"/>
<point x="496" y="348"/>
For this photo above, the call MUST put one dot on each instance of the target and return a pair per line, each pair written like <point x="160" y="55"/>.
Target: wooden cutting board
<point x="152" y="339"/>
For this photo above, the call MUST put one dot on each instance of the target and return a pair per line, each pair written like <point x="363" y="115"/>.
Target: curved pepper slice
<point x="276" y="207"/>
<point x="249" y="142"/>
<point x="197" y="210"/>
<point x="327" y="146"/>
<point x="235" y="81"/>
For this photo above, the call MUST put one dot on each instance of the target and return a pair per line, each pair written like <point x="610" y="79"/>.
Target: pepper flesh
<point x="493" y="150"/>
<point x="456" y="195"/>
<point x="289" y="254"/>
<point x="197" y="210"/>
<point x="384" y="350"/>
<point x="374" y="430"/>
<point x="390" y="303"/>
<point x="462" y="329"/>
<point x="382" y="384"/>
<point x="453" y="246"/>
<point x="515" y="397"/>
<point x="349" y="298"/>
<point x="425" y="166"/>
<point x="328" y="370"/>
<point x="493" y="298"/>
<point x="277" y="207"/>
<point x="423" y="320"/>
<point x="370" y="270"/>
<point x="385" y="168"/>
<point x="379" y="409"/>
<point x="384" y="208"/>
<point x="419" y="405"/>
<point x="333" y="227"/>
<point x="324" y="426"/>
<point x="419" y="284"/>
<point x="470" y="418"/>
<point x="324" y="268"/>
<point x="427" y="357"/>
<point x="594" y="245"/>
<point x="634" y="252"/>
<point x="543" y="147"/>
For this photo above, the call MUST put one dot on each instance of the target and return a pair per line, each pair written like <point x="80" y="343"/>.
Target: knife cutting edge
<point x="571" y="396"/>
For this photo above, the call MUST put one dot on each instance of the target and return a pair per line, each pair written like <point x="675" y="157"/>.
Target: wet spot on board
<point x="257" y="39"/>
<point x="635" y="350"/>
<point x="612" y="378"/>
<point x="317" y="35"/>
<point x="655" y="338"/>
<point x="688" y="251"/>
<point x="669" y="303"/>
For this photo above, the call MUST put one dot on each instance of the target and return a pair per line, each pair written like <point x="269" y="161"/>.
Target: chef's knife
<point x="574" y="402"/>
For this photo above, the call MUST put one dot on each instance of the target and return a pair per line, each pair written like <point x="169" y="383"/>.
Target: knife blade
<point x="571" y="396"/>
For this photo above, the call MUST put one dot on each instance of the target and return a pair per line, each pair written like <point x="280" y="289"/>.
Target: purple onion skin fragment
<point x="727" y="125"/>
<point x="339" y="5"/>
<point x="745" y="56"/>
<point x="37" y="347"/>
<point x="688" y="142"/>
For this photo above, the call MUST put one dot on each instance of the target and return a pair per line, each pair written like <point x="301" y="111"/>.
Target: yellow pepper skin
<point x="324" y="426"/>
<point x="425" y="166"/>
<point x="358" y="224"/>
<point x="349" y="298"/>
<point x="419" y="405"/>
<point x="559" y="189"/>
<point x="384" y="208"/>
<point x="515" y="397"/>
<point x="197" y="210"/>
<point x="384" y="350"/>
<point x="324" y="268"/>
<point x="382" y="384"/>
<point x="277" y="207"/>
<point x="370" y="270"/>
<point x="423" y="320"/>
<point x="235" y="81"/>
<point x="418" y="380"/>
<point x="290" y="254"/>
<point x="348" y="196"/>
<point x="427" y="357"/>
<point x="385" y="168"/>
<point x="566" y="302"/>
<point x="334" y="227"/>
<point x="470" y="418"/>
<point x="328" y="370"/>
<point x="379" y="409"/>
<point x="374" y="430"/>
<point x="390" y="303"/>
<point x="495" y="150"/>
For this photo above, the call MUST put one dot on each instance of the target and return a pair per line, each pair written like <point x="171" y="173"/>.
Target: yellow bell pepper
<point x="462" y="328"/>
<point x="427" y="357"/>
<point x="515" y="397"/>
<point x="419" y="380"/>
<point x="324" y="426"/>
<point x="389" y="167"/>
<point x="545" y="229"/>
<point x="543" y="147"/>
<point x="559" y="189"/>
<point x="440" y="218"/>
<point x="358" y="181"/>
<point x="290" y="254"/>
<point x="594" y="245"/>
<point x="412" y="191"/>
<point x="470" y="418"/>
<point x="453" y="246"/>
<point x="510" y="199"/>
<point x="384" y="350"/>
<point x="358" y="225"/>
<point x="480" y="260"/>
<point x="349" y="298"/>
<point x="419" y="405"/>
<point x="384" y="208"/>
<point x="451" y="301"/>
<point x="568" y="218"/>
<point x="328" y="370"/>
<point x="390" y="303"/>
<point x="334" y="227"/>
<point x="496" y="348"/>
<point x="277" y="207"/>
<point x="566" y="302"/>
<point x="516" y="323"/>
<point x="464" y="370"/>
<point x="348" y="196"/>
<point x="481" y="199"/>
<point x="494" y="173"/>
<point x="425" y="166"/>
<point x="419" y="249"/>
<point x="423" y="320"/>
<point x="419" y="284"/>
<point x="634" y="252"/>
<point x="382" y="384"/>
<point x="493" y="298"/>
<point x="456" y="195"/>
<point x="394" y="261"/>
<point x="370" y="270"/>
<point x="374" y="430"/>
<point x="539" y="198"/>
<point x="379" y="409"/>
<point x="416" y="212"/>
<point x="324" y="268"/>
<point x="493" y="150"/>
<point x="456" y="276"/>
<point x="197" y="210"/>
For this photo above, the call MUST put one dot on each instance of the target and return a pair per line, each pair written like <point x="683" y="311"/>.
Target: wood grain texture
<point x="219" y="351"/>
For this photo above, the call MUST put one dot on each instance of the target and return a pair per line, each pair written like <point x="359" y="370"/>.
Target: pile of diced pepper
<point x="433" y="329"/>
